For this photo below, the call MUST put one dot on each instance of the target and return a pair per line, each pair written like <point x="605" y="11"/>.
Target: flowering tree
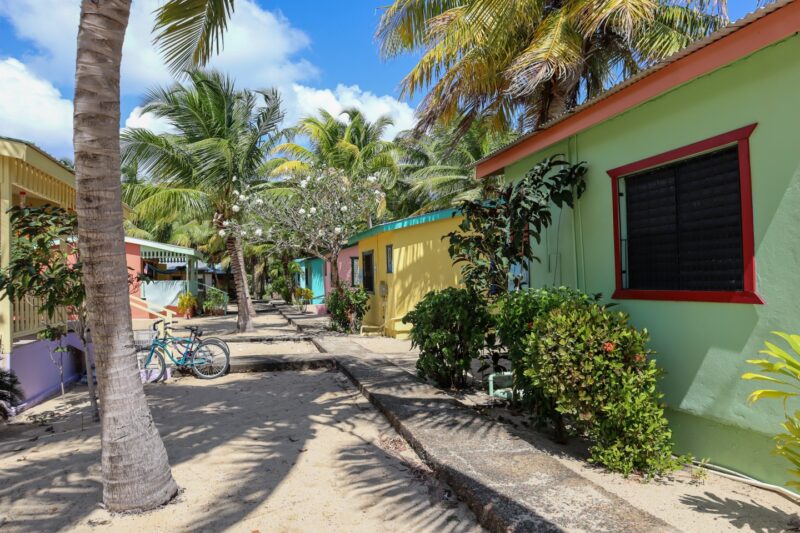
<point x="323" y="211"/>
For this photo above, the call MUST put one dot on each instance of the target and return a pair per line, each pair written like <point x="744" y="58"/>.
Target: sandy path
<point x="270" y="452"/>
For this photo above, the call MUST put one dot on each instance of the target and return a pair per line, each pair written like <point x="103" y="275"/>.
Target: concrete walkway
<point x="508" y="482"/>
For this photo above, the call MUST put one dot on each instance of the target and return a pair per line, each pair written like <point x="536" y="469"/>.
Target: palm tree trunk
<point x="135" y="469"/>
<point x="244" y="321"/>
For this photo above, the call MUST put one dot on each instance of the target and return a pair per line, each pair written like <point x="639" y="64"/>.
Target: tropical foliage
<point x="498" y="229"/>
<point x="327" y="207"/>
<point x="527" y="61"/>
<point x="223" y="139"/>
<point x="347" y="308"/>
<point x="10" y="393"/>
<point x="782" y="368"/>
<point x="449" y="327"/>
<point x="437" y="168"/>
<point x="45" y="268"/>
<point x="595" y="368"/>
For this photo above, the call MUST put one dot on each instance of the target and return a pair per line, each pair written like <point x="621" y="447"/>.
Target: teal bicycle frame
<point x="168" y="340"/>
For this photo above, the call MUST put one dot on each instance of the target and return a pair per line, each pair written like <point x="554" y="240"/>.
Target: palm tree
<point x="348" y="142"/>
<point x="135" y="468"/>
<point x="528" y="61"/>
<point x="437" y="167"/>
<point x="223" y="139"/>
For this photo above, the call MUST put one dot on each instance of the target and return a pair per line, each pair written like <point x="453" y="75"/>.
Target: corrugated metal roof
<point x="692" y="48"/>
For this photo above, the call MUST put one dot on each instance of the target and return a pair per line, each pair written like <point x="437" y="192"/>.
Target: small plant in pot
<point x="187" y="304"/>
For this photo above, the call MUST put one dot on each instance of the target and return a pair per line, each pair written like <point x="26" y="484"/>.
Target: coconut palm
<point x="223" y="138"/>
<point x="135" y="469"/>
<point x="347" y="142"/>
<point x="437" y="167"/>
<point x="527" y="61"/>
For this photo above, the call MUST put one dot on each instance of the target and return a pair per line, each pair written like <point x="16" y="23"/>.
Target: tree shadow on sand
<point x="52" y="481"/>
<point x="742" y="514"/>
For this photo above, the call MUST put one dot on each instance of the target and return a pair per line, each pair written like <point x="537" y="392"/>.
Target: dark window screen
<point x="684" y="225"/>
<point x="367" y="272"/>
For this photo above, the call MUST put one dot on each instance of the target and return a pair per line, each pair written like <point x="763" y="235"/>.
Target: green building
<point x="691" y="222"/>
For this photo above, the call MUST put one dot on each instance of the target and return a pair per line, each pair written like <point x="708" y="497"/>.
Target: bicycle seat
<point x="194" y="329"/>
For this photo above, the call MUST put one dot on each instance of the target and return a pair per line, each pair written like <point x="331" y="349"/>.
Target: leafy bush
<point x="347" y="307"/>
<point x="785" y="370"/>
<point x="10" y="393"/>
<point x="186" y="302"/>
<point x="450" y="328"/>
<point x="303" y="297"/>
<point x="595" y="367"/>
<point x="214" y="301"/>
<point x="516" y="312"/>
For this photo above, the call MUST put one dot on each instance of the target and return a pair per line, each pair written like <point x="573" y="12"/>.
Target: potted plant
<point x="186" y="304"/>
<point x="214" y="303"/>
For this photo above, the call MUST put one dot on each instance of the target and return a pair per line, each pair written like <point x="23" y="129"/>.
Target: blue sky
<point x="318" y="53"/>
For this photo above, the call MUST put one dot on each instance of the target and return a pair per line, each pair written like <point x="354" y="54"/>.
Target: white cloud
<point x="258" y="52"/>
<point x="307" y="101"/>
<point x="32" y="109"/>
<point x="261" y="50"/>
<point x="148" y="121"/>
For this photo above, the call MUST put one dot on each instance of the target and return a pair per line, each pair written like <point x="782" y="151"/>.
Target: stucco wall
<point x="38" y="375"/>
<point x="421" y="264"/>
<point x="702" y="346"/>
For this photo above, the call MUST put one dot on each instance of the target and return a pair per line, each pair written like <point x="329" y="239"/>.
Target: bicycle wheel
<point x="210" y="360"/>
<point x="152" y="366"/>
<point x="217" y="340"/>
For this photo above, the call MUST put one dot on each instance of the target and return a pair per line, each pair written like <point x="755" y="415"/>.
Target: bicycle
<point x="208" y="358"/>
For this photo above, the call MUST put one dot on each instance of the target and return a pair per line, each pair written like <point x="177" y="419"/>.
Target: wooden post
<point x="6" y="307"/>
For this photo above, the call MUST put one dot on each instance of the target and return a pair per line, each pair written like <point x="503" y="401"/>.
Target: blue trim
<point x="404" y="223"/>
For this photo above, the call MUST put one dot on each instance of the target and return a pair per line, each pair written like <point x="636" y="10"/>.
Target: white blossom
<point x="258" y="232"/>
<point x="313" y="210"/>
<point x="259" y="201"/>
<point x="235" y="208"/>
<point x="337" y="230"/>
<point x="234" y="178"/>
<point x="236" y="193"/>
<point x="372" y="179"/>
<point x="225" y="223"/>
<point x="344" y="208"/>
<point x="222" y="233"/>
<point x="302" y="211"/>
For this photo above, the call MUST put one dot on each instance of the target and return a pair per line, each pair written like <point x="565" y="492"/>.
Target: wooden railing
<point x="27" y="319"/>
<point x="167" y="314"/>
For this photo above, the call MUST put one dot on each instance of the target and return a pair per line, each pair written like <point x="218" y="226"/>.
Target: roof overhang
<point x="37" y="158"/>
<point x="763" y="27"/>
<point x="167" y="250"/>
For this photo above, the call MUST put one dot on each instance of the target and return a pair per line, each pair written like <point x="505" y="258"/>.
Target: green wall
<point x="702" y="346"/>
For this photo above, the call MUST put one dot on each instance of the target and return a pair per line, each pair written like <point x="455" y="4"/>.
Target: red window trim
<point x="741" y="137"/>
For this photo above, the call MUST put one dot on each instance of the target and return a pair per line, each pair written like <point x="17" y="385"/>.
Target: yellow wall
<point x="421" y="264"/>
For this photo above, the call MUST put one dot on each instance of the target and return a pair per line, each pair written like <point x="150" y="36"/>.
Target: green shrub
<point x="516" y="312"/>
<point x="450" y="329"/>
<point x="214" y="301"/>
<point x="347" y="308"/>
<point x="186" y="302"/>
<point x="595" y="367"/>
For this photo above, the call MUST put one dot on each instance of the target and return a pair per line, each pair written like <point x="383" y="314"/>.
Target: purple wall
<point x="37" y="374"/>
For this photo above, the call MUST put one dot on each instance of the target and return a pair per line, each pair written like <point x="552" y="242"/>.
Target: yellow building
<point x="26" y="174"/>
<point x="400" y="262"/>
<point x="29" y="175"/>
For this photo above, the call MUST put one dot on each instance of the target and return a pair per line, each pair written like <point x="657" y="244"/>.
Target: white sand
<point x="255" y="452"/>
